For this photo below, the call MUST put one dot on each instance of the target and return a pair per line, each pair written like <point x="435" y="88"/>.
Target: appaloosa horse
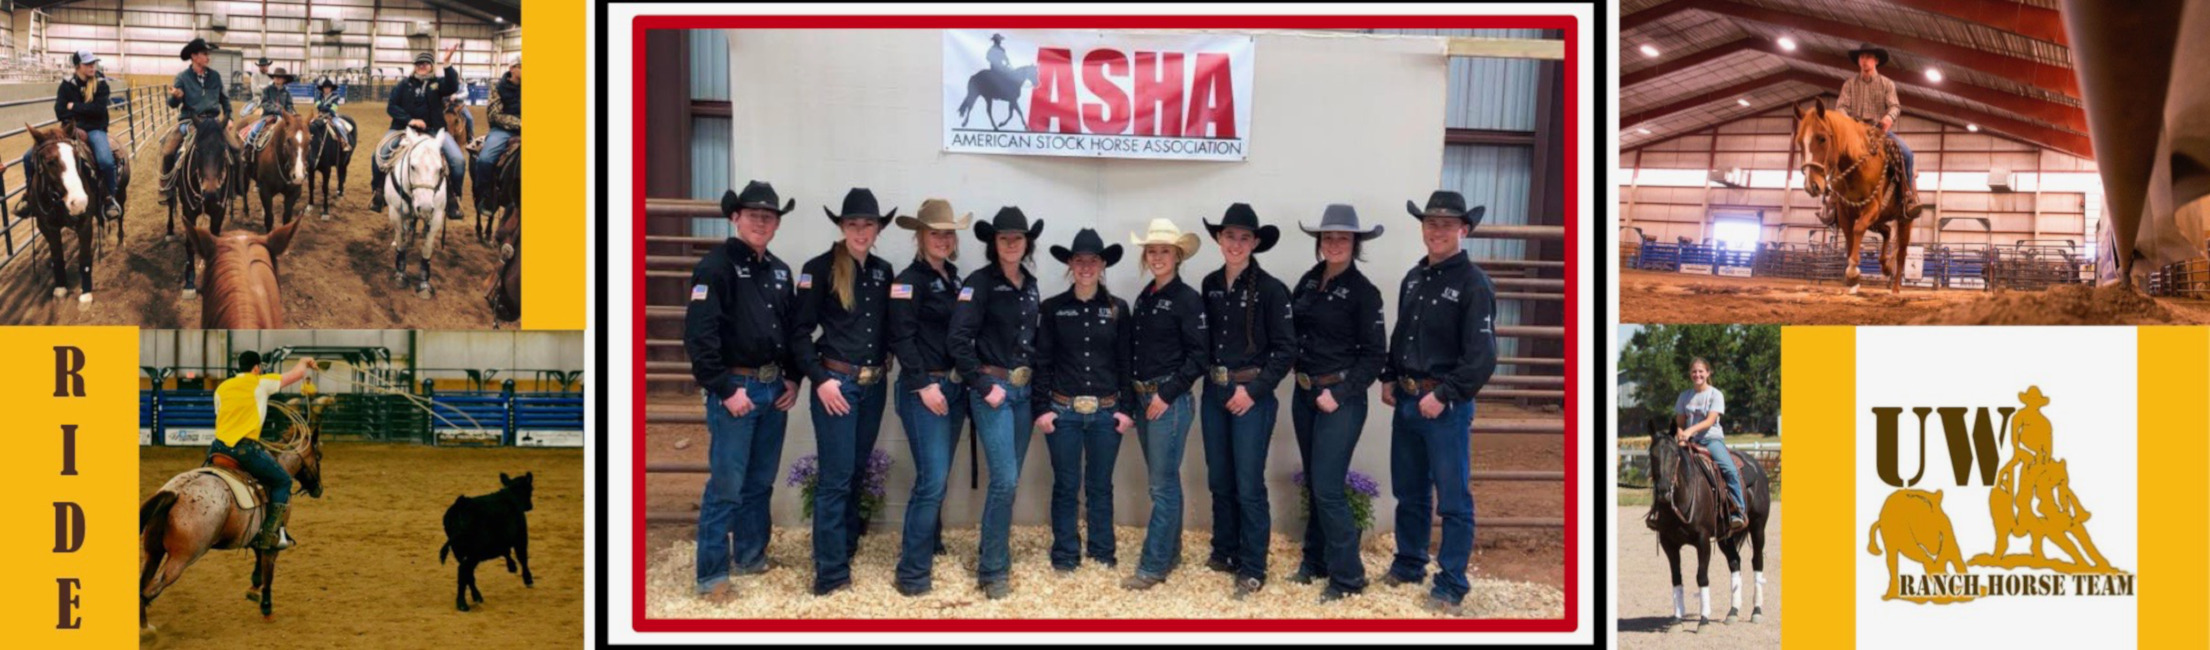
<point x="414" y="197"/>
<point x="195" y="511"/>
<point x="201" y="176"/>
<point x="241" y="291"/>
<point x="61" y="187"/>
<point x="1858" y="176"/>
<point x="1685" y="510"/>
<point x="278" y="168"/>
<point x="330" y="146"/>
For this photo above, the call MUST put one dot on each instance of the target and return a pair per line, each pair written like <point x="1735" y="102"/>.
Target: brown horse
<point x="279" y="167"/>
<point x="195" y="512"/>
<point x="241" y="278"/>
<point x="61" y="186"/>
<point x="1852" y="168"/>
<point x="505" y="294"/>
<point x="504" y="191"/>
<point x="1685" y="511"/>
<point x="201" y="175"/>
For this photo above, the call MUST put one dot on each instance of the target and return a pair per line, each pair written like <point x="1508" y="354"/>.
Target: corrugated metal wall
<point x="143" y="36"/>
<point x="1485" y="93"/>
<point x="1498" y="177"/>
<point x="710" y="136"/>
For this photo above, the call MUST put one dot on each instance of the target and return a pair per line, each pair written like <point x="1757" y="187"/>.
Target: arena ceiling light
<point x="1649" y="50"/>
<point x="1933" y="75"/>
<point x="1644" y="131"/>
<point x="1788" y="44"/>
<point x="1744" y="102"/>
<point x="1975" y="128"/>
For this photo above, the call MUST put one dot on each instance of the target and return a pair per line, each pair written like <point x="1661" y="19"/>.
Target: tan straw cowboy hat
<point x="936" y="214"/>
<point x="1163" y="231"/>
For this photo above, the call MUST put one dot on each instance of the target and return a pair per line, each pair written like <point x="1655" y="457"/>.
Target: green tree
<point x="1745" y="364"/>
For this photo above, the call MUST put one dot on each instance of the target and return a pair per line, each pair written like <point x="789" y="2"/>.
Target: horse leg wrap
<point x="1679" y="607"/>
<point x="1759" y="597"/>
<point x="1703" y="602"/>
<point x="1734" y="585"/>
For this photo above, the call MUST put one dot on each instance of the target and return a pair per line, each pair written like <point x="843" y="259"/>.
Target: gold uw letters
<point x="68" y="516"/>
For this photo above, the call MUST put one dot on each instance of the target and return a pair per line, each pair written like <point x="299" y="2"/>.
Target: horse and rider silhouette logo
<point x="1001" y="82"/>
<point x="2031" y="498"/>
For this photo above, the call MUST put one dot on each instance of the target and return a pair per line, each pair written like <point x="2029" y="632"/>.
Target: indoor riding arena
<point x="2059" y="154"/>
<point x="402" y="440"/>
<point x="337" y="271"/>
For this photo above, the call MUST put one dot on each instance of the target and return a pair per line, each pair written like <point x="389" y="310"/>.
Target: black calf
<point x="486" y="527"/>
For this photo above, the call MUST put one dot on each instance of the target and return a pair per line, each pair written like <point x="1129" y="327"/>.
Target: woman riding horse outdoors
<point x="240" y="404"/>
<point x="82" y="101"/>
<point x="1696" y="421"/>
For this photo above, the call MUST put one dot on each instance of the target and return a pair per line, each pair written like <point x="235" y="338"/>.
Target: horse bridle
<point x="190" y="173"/>
<point x="1825" y="174"/>
<point x="52" y="194"/>
<point x="1683" y="463"/>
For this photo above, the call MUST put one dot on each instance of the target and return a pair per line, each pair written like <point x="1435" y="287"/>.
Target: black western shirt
<point x="860" y="335"/>
<point x="920" y="319"/>
<point x="993" y="323"/>
<point x="84" y="104"/>
<point x="1446" y="328"/>
<point x="740" y="308"/>
<point x="1167" y="338"/>
<point x="1250" y="324"/>
<point x="1080" y="349"/>
<point x="1339" y="329"/>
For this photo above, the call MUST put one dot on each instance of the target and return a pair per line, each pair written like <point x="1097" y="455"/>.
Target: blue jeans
<point x="1428" y="469"/>
<point x="255" y="460"/>
<point x="1163" y="441"/>
<point x="742" y="462"/>
<point x="103" y="157"/>
<point x="1910" y="160"/>
<point x="1325" y="442"/>
<point x="1235" y="470"/>
<point x="1003" y="432"/>
<point x="494" y="143"/>
<point x="932" y="438"/>
<point x="1718" y="448"/>
<point x="1083" y="451"/>
<point x="844" y="442"/>
<point x="455" y="163"/>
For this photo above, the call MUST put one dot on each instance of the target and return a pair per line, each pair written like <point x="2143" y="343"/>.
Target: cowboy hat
<point x="325" y="83"/>
<point x="1087" y="241"/>
<point x="936" y="214"/>
<point x="1241" y="215"/>
<point x="1342" y="218"/>
<point x="263" y="62"/>
<point x="1164" y="232"/>
<point x="860" y="202"/>
<point x="756" y="195"/>
<point x="197" y="46"/>
<point x="1445" y="203"/>
<point x="286" y="76"/>
<point x="1009" y="219"/>
<point x="1867" y="48"/>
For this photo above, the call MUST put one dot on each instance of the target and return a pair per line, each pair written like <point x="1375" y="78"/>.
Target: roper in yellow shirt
<point x="240" y="404"/>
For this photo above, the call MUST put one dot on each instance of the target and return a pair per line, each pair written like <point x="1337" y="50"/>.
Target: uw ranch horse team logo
<point x="2032" y="499"/>
<point x="1097" y="94"/>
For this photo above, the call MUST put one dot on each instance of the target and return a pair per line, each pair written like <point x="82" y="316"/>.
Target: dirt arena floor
<point x="1521" y="569"/>
<point x="337" y="273"/>
<point x="1646" y="592"/>
<point x="1658" y="297"/>
<point x="365" y="574"/>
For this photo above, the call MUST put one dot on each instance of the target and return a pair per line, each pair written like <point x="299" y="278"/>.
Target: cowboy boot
<point x="1911" y="206"/>
<point x="273" y="536"/>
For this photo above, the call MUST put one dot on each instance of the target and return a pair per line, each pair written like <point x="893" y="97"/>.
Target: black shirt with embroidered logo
<point x="1167" y="338"/>
<point x="1446" y="328"/>
<point x="858" y="336"/>
<point x="1340" y="329"/>
<point x="1081" y="348"/>
<point x="1250" y="325"/>
<point x="993" y="323"/>
<point x="920" y="319"/>
<point x="740" y="308"/>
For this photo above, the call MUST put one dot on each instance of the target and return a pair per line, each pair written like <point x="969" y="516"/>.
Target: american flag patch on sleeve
<point x="698" y="292"/>
<point x="966" y="294"/>
<point x="901" y="292"/>
<point x="805" y="280"/>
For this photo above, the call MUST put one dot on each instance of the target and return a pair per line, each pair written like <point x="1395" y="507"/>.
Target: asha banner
<point x="1098" y="94"/>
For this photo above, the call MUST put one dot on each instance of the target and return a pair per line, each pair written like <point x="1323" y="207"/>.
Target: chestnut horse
<point x="201" y="176"/>
<point x="1853" y="170"/>
<point x="279" y="167"/>
<point x="241" y="278"/>
<point x="195" y="512"/>
<point x="1685" y="509"/>
<point x="503" y="190"/>
<point x="61" y="186"/>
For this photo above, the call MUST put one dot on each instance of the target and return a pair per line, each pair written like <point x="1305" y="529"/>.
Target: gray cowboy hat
<point x="756" y="195"/>
<point x="1867" y="48"/>
<point x="1445" y="203"/>
<point x="936" y="214"/>
<point x="1241" y="215"/>
<point x="1342" y="218"/>
<point x="197" y="46"/>
<point x="1009" y="219"/>
<point x="860" y="203"/>
<point x="1086" y="240"/>
<point x="279" y="72"/>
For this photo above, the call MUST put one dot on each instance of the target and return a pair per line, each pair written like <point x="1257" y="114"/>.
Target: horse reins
<point x="1834" y="190"/>
<point x="53" y="195"/>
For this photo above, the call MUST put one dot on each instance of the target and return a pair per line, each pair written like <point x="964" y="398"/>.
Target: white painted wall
<point x="1348" y="119"/>
<point x="443" y="354"/>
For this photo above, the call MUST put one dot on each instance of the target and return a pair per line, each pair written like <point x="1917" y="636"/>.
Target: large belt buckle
<point x="1220" y="375"/>
<point x="1409" y="385"/>
<point x="1147" y="387"/>
<point x="1085" y="404"/>
<point x="869" y="375"/>
<point x="767" y="372"/>
<point x="1019" y="376"/>
<point x="1304" y="381"/>
<point x="952" y="375"/>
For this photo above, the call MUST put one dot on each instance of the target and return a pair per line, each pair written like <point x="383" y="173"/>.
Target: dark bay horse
<point x="505" y="294"/>
<point x="278" y="168"/>
<point x="241" y="290"/>
<point x="992" y="86"/>
<point x="61" y="190"/>
<point x="195" y="512"/>
<point x="201" y="175"/>
<point x="1685" y="511"/>
<point x="329" y="149"/>
<point x="504" y="190"/>
<point x="1858" y="177"/>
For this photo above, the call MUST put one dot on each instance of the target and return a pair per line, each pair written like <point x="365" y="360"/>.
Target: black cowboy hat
<point x="1241" y="215"/>
<point x="197" y="46"/>
<point x="1009" y="219"/>
<point x="263" y="62"/>
<point x="1087" y="241"/>
<point x="756" y="195"/>
<point x="288" y="77"/>
<point x="1343" y="218"/>
<point x="860" y="202"/>
<point x="1867" y="48"/>
<point x="325" y="83"/>
<point x="1445" y="203"/>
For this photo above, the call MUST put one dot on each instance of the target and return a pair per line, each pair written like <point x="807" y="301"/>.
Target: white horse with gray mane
<point x="414" y="197"/>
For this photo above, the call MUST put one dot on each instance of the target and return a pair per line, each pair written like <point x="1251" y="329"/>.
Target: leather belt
<point x="1019" y="376"/>
<point x="1084" y="404"/>
<point x="1309" y="382"/>
<point x="865" y="375"/>
<point x="762" y="373"/>
<point x="948" y="374"/>
<point x="1222" y="376"/>
<point x="1151" y="387"/>
<point x="1417" y="386"/>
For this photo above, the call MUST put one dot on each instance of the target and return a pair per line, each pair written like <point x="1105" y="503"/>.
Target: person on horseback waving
<point x="197" y="92"/>
<point x="81" y="101"/>
<point x="1870" y="98"/>
<point x="1696" y="421"/>
<point x="418" y="102"/>
<point x="275" y="101"/>
<point x="506" y="122"/>
<point x="326" y="107"/>
<point x="241" y="402"/>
